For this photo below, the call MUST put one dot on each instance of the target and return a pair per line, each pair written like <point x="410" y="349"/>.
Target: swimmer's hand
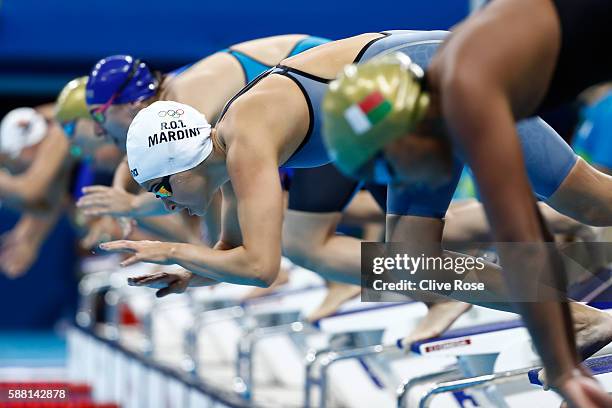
<point x="103" y="200"/>
<point x="168" y="282"/>
<point x="142" y="251"/>
<point x="17" y="254"/>
<point x="582" y="391"/>
<point x="101" y="230"/>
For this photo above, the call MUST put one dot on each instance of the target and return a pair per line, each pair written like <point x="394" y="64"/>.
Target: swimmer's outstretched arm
<point x="103" y="200"/>
<point x="43" y="180"/>
<point x="122" y="199"/>
<point x="473" y="77"/>
<point x="249" y="251"/>
<point x="20" y="246"/>
<point x="148" y="211"/>
<point x="252" y="216"/>
<point x="493" y="151"/>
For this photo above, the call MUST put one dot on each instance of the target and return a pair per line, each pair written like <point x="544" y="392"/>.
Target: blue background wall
<point x="43" y="43"/>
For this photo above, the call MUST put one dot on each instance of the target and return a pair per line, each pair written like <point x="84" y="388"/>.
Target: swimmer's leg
<point x="317" y="200"/>
<point x="281" y="279"/>
<point x="465" y="223"/>
<point x="593" y="329"/>
<point x="585" y="195"/>
<point x="337" y="295"/>
<point x="440" y="316"/>
<point x="310" y="241"/>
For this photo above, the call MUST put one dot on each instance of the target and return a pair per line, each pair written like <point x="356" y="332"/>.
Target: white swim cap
<point x="167" y="138"/>
<point x="21" y="128"/>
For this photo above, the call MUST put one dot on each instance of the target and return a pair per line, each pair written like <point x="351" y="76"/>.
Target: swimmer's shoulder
<point x="273" y="107"/>
<point x="217" y="66"/>
<point x="326" y="60"/>
<point x="207" y="84"/>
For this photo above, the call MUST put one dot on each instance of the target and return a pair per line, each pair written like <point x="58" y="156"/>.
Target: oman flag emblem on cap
<point x="367" y="113"/>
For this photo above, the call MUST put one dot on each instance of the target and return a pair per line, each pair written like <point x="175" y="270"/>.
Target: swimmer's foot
<point x="593" y="329"/>
<point x="438" y="319"/>
<point x="593" y="332"/>
<point x="281" y="279"/>
<point x="337" y="295"/>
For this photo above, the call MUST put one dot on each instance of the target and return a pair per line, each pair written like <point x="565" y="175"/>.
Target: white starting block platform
<point x="492" y="369"/>
<point x="358" y="363"/>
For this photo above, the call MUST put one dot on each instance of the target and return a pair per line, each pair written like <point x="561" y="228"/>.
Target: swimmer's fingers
<point x="178" y="286"/>
<point x="543" y="380"/>
<point x="96" y="213"/>
<point x="113" y="203"/>
<point x="100" y="231"/>
<point x="144" y="251"/>
<point x="18" y="260"/>
<point x="96" y="189"/>
<point x="99" y="211"/>
<point x="132" y="260"/>
<point x="89" y="241"/>
<point x="145" y="280"/>
<point x="169" y="282"/>
<point x="164" y="292"/>
<point x="120" y="246"/>
<point x="95" y="237"/>
<point x="93" y="200"/>
<point x="16" y="269"/>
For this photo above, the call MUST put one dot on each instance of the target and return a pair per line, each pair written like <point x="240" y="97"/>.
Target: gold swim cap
<point x="70" y="104"/>
<point x="368" y="106"/>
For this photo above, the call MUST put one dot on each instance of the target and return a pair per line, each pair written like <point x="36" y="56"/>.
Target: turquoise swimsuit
<point x="252" y="68"/>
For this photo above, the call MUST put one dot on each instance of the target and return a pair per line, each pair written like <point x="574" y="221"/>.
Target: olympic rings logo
<point x="171" y="113"/>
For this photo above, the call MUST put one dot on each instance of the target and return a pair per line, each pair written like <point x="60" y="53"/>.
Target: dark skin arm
<point x="487" y="59"/>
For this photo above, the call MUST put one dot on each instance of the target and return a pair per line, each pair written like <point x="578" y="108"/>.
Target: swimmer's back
<point x="327" y="60"/>
<point x="270" y="50"/>
<point x="224" y="73"/>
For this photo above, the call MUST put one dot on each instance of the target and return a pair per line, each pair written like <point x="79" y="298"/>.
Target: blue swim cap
<point x="130" y="77"/>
